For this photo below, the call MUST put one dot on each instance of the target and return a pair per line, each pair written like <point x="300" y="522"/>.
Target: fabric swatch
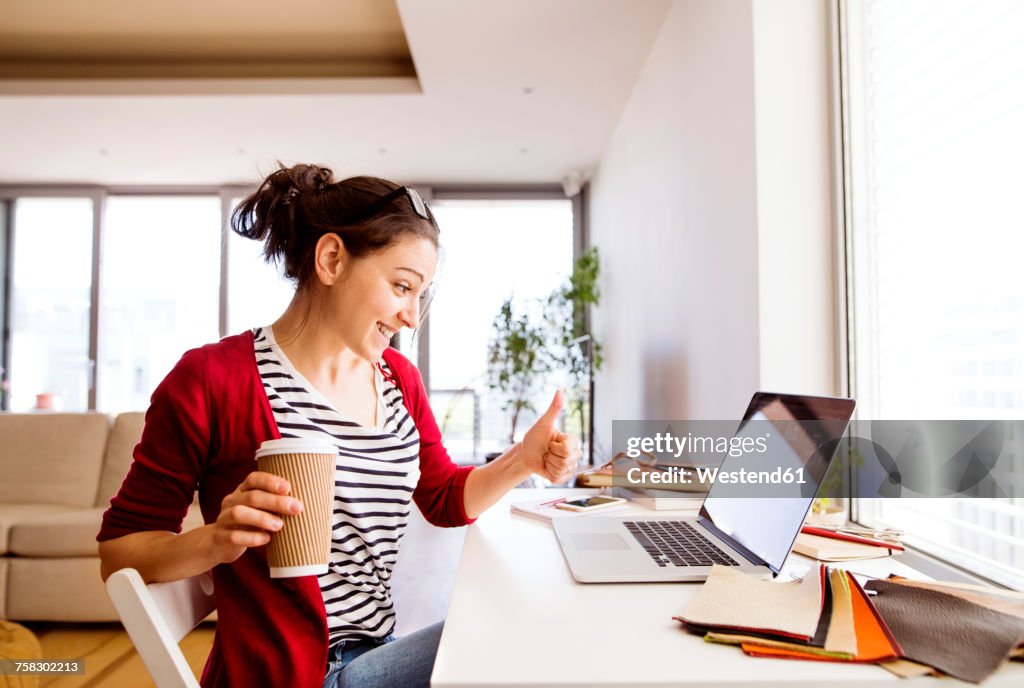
<point x="842" y="635"/>
<point x="957" y="637"/>
<point x="730" y="600"/>
<point x="815" y="644"/>
<point x="904" y="668"/>
<point x="875" y="642"/>
<point x="754" y="643"/>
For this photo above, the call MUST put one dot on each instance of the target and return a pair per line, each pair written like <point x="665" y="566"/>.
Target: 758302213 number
<point x="38" y="667"/>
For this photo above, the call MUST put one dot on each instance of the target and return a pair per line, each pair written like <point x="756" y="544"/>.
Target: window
<point x="491" y="249"/>
<point x="257" y="291"/>
<point x="934" y="104"/>
<point x="51" y="281"/>
<point x="158" y="291"/>
<point x="169" y="280"/>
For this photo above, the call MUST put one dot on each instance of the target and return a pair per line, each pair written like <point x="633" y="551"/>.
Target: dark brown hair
<point x="295" y="206"/>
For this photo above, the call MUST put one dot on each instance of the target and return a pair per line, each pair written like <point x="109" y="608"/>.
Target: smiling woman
<point x="362" y="254"/>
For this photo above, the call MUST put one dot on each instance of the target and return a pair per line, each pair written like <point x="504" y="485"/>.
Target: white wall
<point x="700" y="210"/>
<point x="674" y="216"/>
<point x="795" y="205"/>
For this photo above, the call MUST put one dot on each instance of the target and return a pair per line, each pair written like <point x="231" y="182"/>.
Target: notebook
<point x="544" y="510"/>
<point x="829" y="549"/>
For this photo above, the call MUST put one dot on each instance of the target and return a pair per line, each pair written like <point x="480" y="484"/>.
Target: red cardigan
<point x="203" y="426"/>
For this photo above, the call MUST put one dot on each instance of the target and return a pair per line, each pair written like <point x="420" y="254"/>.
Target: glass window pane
<point x="158" y="291"/>
<point x="935" y="99"/>
<point x="257" y="291"/>
<point x="51" y="284"/>
<point x="491" y="249"/>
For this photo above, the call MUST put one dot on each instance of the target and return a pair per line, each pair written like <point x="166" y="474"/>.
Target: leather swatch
<point x="730" y="600"/>
<point x="875" y="642"/>
<point x="842" y="635"/>
<point x="957" y="637"/>
<point x="968" y="587"/>
<point x="815" y="644"/>
<point x="904" y="668"/>
<point x="753" y="645"/>
<point x="994" y="599"/>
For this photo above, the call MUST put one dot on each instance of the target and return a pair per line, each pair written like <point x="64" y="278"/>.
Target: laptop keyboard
<point x="676" y="543"/>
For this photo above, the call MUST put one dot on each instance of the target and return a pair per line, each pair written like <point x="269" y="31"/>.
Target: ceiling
<point x="105" y="39"/>
<point x="119" y="92"/>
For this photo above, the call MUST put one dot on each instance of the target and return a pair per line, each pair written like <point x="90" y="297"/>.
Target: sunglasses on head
<point x="419" y="206"/>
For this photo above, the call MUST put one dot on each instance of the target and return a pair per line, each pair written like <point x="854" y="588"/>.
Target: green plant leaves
<point x="523" y="349"/>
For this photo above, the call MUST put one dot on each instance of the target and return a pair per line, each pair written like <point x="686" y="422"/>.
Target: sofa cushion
<point x="68" y="589"/>
<point x="69" y="533"/>
<point x="51" y="458"/>
<point x="10" y="514"/>
<point x="117" y="458"/>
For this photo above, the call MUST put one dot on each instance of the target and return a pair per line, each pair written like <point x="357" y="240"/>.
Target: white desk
<point x="517" y="618"/>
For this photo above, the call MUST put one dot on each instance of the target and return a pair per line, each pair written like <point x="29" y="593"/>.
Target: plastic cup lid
<point x="295" y="445"/>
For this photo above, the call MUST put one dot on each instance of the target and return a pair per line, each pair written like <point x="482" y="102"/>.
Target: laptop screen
<point x="798" y="432"/>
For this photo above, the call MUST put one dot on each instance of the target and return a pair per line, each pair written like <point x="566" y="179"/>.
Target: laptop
<point x="734" y="527"/>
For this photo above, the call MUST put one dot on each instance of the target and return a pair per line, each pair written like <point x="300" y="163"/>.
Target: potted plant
<point x="5" y="387"/>
<point x="518" y="356"/>
<point x="524" y="349"/>
<point x="578" y="353"/>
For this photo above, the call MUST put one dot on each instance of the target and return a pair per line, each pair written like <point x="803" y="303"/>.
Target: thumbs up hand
<point x="548" y="452"/>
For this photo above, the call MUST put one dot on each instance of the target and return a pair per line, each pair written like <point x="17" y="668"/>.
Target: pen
<point x="553" y="501"/>
<point x="876" y="533"/>
<point x="810" y="530"/>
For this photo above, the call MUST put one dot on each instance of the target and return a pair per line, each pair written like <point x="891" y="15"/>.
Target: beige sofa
<point x="58" y="472"/>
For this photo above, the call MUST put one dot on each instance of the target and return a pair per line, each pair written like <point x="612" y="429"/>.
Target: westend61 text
<point x="676" y="475"/>
<point x="667" y="443"/>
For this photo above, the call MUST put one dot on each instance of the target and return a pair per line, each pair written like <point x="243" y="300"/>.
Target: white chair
<point x="157" y="616"/>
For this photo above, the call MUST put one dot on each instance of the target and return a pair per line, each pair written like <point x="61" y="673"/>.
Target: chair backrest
<point x="157" y="616"/>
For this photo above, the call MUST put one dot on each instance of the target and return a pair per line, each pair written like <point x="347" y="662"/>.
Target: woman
<point x="363" y="253"/>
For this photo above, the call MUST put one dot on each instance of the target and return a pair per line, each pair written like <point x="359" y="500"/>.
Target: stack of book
<point x="618" y="470"/>
<point x="827" y="616"/>
<point x="846" y="543"/>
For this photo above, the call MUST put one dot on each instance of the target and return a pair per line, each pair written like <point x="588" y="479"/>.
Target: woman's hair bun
<point x="300" y="179"/>
<point x="273" y="211"/>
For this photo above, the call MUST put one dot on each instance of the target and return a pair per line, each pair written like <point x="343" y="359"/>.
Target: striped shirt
<point x="375" y="474"/>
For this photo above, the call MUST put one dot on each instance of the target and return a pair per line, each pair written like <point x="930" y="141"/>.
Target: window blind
<point x="933" y="96"/>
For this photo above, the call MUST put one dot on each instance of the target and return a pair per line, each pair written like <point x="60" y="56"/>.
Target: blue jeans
<point x="389" y="662"/>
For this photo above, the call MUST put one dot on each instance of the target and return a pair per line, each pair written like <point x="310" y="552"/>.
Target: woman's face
<point x="380" y="294"/>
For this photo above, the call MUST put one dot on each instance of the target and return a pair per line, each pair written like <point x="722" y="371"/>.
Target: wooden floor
<point x="110" y="658"/>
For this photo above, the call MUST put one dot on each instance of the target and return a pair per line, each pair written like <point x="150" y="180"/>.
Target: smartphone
<point x="590" y="503"/>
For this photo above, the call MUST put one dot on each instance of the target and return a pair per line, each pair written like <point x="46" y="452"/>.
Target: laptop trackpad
<point x="598" y="541"/>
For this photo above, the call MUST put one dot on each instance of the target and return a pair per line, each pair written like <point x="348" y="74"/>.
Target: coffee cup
<point x="303" y="545"/>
